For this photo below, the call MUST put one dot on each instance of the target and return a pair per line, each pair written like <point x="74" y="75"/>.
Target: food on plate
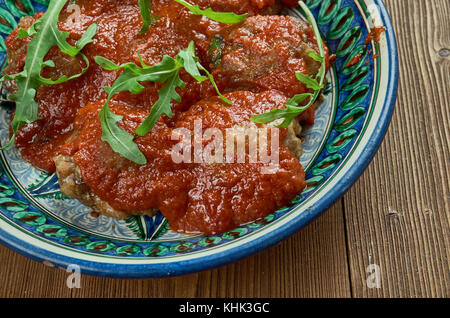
<point x="106" y="93"/>
<point x="264" y="52"/>
<point x="210" y="196"/>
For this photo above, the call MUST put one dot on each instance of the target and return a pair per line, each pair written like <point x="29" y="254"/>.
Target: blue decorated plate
<point x="37" y="220"/>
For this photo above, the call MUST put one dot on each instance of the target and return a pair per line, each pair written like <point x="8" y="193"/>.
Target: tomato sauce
<point x="194" y="197"/>
<point x="200" y="198"/>
<point x="118" y="40"/>
<point x="374" y="34"/>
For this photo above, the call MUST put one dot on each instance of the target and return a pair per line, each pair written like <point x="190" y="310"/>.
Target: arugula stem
<point x="222" y="17"/>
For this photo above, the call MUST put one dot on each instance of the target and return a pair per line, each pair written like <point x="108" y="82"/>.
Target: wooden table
<point x="395" y="217"/>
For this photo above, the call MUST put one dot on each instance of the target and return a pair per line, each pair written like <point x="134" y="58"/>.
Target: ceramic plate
<point x="37" y="220"/>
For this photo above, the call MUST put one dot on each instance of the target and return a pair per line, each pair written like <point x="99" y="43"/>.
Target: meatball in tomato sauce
<point x="195" y="196"/>
<point x="264" y="53"/>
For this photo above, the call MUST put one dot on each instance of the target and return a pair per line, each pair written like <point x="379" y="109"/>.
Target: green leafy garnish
<point x="147" y="18"/>
<point x="309" y="81"/>
<point x="119" y="140"/>
<point x="215" y="50"/>
<point x="46" y="35"/>
<point x="163" y="105"/>
<point x="223" y="17"/>
<point x="168" y="72"/>
<point x="316" y="83"/>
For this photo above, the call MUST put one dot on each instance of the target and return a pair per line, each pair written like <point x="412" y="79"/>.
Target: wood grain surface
<point x="395" y="218"/>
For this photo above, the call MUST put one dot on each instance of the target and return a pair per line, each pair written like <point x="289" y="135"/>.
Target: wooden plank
<point x="312" y="263"/>
<point x="397" y="214"/>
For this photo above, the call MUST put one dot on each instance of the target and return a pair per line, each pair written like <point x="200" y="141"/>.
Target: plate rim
<point x="233" y="254"/>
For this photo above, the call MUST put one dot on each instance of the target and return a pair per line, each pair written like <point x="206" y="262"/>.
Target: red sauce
<point x="375" y="34"/>
<point x="207" y="198"/>
<point x="118" y="24"/>
<point x="255" y="57"/>
<point x="194" y="197"/>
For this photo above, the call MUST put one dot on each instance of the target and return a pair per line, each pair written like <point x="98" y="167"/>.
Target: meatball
<point x="40" y="141"/>
<point x="72" y="185"/>
<point x="264" y="53"/>
<point x="206" y="196"/>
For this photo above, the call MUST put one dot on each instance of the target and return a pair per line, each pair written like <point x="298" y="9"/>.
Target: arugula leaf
<point x="119" y="140"/>
<point x="289" y="113"/>
<point x="297" y="99"/>
<point x="88" y="37"/>
<point x="107" y="64"/>
<point x="133" y="74"/>
<point x="193" y="66"/>
<point x="168" y="72"/>
<point x="147" y="18"/>
<point x="163" y="104"/>
<point x="190" y="62"/>
<point x="316" y="57"/>
<point x="223" y="17"/>
<point x="46" y="35"/>
<point x="316" y="83"/>
<point x="309" y="81"/>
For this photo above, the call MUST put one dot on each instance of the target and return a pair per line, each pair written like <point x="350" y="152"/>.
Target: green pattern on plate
<point x="52" y="230"/>
<point x="30" y="218"/>
<point x="348" y="41"/>
<point x="326" y="164"/>
<point x="20" y="8"/>
<point x="341" y="23"/>
<point x="328" y="11"/>
<point x="313" y="183"/>
<point x="341" y="140"/>
<point x="128" y="250"/>
<point x="156" y="250"/>
<point x="77" y="240"/>
<point x="355" y="97"/>
<point x="354" y="60"/>
<point x="101" y="246"/>
<point x="350" y="119"/>
<point x="182" y="247"/>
